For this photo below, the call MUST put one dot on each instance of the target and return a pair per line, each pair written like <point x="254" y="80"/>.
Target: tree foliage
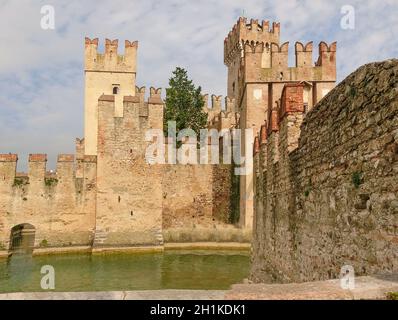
<point x="184" y="103"/>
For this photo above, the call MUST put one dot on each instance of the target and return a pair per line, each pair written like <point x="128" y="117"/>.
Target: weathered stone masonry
<point x="326" y="182"/>
<point x="107" y="195"/>
<point x="258" y="69"/>
<point x="61" y="207"/>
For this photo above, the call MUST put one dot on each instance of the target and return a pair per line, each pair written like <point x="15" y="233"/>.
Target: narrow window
<point x="115" y="90"/>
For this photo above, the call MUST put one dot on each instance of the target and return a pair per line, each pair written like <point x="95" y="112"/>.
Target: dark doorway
<point x="22" y="239"/>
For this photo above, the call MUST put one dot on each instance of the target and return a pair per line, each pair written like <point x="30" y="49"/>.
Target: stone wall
<point x="326" y="191"/>
<point x="195" y="195"/>
<point x="116" y="199"/>
<point x="129" y="197"/>
<point x="60" y="207"/>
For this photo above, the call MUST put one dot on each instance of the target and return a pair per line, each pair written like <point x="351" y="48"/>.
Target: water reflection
<point x="169" y="270"/>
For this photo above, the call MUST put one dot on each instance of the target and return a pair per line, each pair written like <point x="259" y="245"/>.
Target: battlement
<point x="8" y="157"/>
<point x="37" y="172"/>
<point x="66" y="158"/>
<point x="140" y="92"/>
<point x="292" y="99"/>
<point x="217" y="105"/>
<point x="256" y="145"/>
<point x="327" y="54"/>
<point x="244" y="31"/>
<point x="263" y="134"/>
<point x="220" y="115"/>
<point x="37" y="157"/>
<point x="303" y="53"/>
<point x="264" y="62"/>
<point x="285" y="118"/>
<point x="155" y="96"/>
<point x="137" y="113"/>
<point x="273" y="120"/>
<point x="110" y="60"/>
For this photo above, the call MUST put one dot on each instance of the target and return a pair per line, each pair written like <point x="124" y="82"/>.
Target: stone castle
<point x="108" y="196"/>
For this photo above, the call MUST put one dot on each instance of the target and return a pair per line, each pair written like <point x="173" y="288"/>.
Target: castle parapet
<point x="230" y="104"/>
<point x="155" y="96"/>
<point x="263" y="135"/>
<point x="327" y="58"/>
<point x="206" y="106"/>
<point x="66" y="158"/>
<point x="292" y="99"/>
<point x="37" y="168"/>
<point x="303" y="54"/>
<point x="90" y="159"/>
<point x="8" y="167"/>
<point x="37" y="157"/>
<point x="137" y="113"/>
<point x="273" y="120"/>
<point x="269" y="62"/>
<point x="140" y="92"/>
<point x="256" y="146"/>
<point x="244" y="31"/>
<point x="65" y="169"/>
<point x="285" y="119"/>
<point x="110" y="60"/>
<point x="216" y="103"/>
<point x="220" y="116"/>
<point x="291" y="116"/>
<point x="8" y="157"/>
<point x="279" y="54"/>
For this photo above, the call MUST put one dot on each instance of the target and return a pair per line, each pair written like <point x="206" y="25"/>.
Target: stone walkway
<point x="370" y="287"/>
<point x="119" y="295"/>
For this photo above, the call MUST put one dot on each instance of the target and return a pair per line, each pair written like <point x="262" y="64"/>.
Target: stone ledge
<point x="236" y="246"/>
<point x="207" y="245"/>
<point x="369" y="287"/>
<point x="119" y="295"/>
<point x="61" y="250"/>
<point x="4" y="254"/>
<point x="142" y="249"/>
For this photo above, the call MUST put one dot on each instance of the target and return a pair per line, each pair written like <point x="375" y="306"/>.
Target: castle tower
<point x="257" y="72"/>
<point x="107" y="73"/>
<point x="242" y="32"/>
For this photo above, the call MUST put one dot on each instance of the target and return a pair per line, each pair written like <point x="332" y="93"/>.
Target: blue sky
<point x="41" y="71"/>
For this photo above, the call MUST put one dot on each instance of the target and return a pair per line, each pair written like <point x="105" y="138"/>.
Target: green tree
<point x="184" y="103"/>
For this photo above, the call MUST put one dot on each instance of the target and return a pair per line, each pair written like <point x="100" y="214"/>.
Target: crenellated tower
<point x="107" y="73"/>
<point x="258" y="70"/>
<point x="246" y="32"/>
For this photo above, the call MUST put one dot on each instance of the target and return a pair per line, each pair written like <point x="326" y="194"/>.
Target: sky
<point x="41" y="71"/>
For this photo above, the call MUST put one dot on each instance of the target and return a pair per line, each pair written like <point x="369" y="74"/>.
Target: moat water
<point x="123" y="272"/>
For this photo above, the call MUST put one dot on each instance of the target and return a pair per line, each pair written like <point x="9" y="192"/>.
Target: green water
<point x="168" y="270"/>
